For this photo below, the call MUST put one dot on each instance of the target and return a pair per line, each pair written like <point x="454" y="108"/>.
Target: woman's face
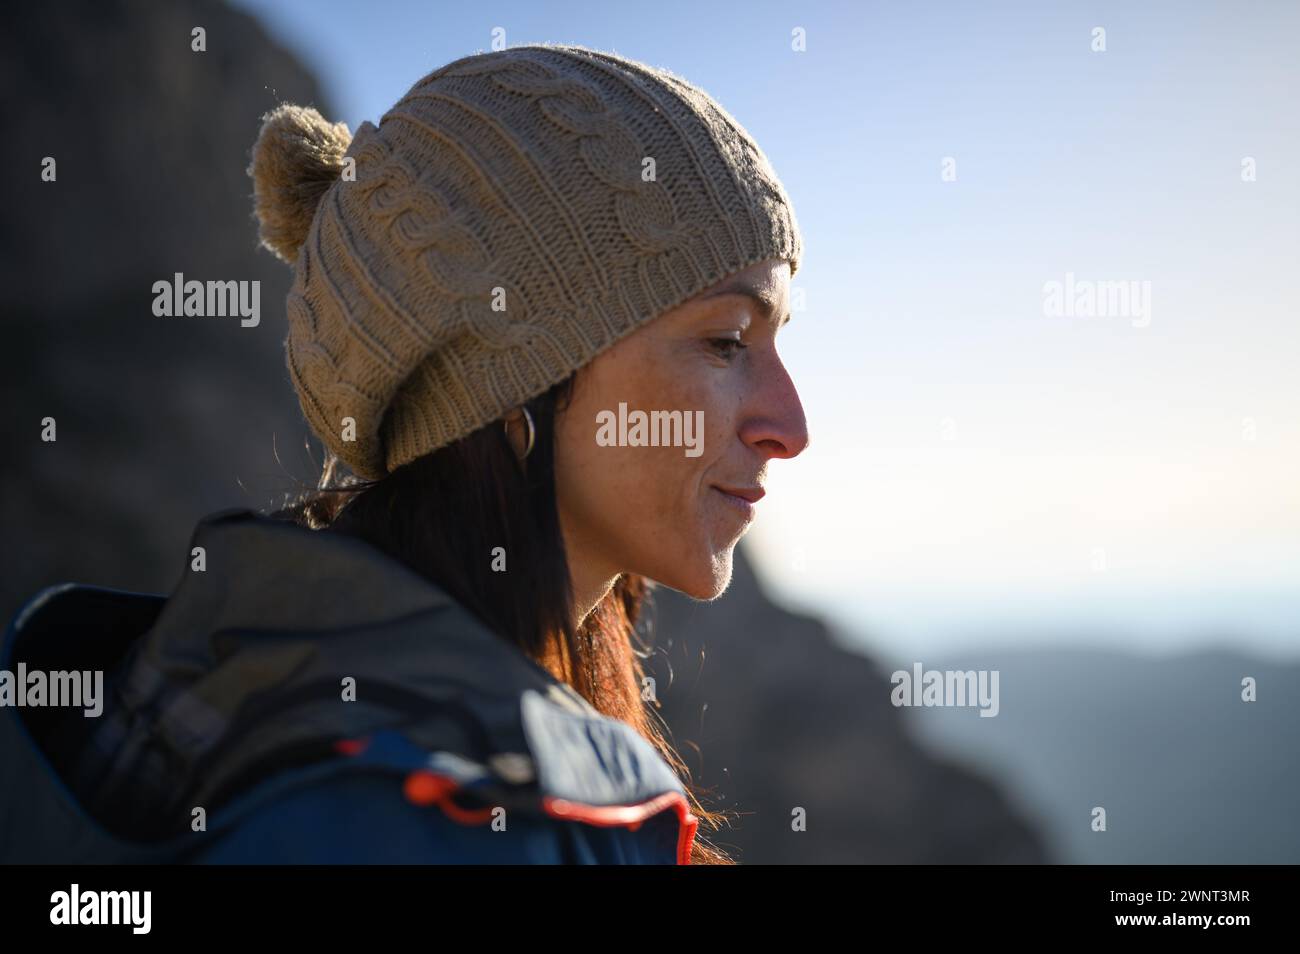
<point x="675" y="511"/>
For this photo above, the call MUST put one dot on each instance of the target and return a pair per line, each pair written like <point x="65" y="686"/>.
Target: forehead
<point x="766" y="284"/>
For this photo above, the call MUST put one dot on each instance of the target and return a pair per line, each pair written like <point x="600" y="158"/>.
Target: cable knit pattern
<point x="513" y="177"/>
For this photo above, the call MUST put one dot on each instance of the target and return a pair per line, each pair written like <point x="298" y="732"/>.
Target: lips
<point x="749" y="494"/>
<point x="740" y="499"/>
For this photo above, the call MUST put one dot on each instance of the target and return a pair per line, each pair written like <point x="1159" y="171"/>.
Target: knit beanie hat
<point x="512" y="216"/>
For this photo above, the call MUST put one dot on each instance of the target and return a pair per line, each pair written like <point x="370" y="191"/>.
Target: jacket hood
<point x="279" y="645"/>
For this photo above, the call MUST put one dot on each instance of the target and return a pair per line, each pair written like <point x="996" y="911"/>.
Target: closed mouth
<point x="750" y="495"/>
<point x="741" y="500"/>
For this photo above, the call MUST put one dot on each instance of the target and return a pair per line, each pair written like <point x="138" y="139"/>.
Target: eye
<point x="727" y="347"/>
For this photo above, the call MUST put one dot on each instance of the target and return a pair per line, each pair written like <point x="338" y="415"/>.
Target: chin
<point x="706" y="582"/>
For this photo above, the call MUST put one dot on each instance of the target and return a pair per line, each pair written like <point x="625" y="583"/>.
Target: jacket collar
<point x="260" y="572"/>
<point x="270" y="625"/>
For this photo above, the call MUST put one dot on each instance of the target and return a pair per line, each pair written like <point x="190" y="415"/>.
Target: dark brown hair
<point x="441" y="513"/>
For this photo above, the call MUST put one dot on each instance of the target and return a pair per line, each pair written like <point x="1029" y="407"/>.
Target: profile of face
<point x="674" y="512"/>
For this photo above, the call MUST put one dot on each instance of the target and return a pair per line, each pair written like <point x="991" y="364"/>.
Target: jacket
<point x="302" y="697"/>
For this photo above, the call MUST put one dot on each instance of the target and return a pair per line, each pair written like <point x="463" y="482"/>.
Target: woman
<point x="534" y="314"/>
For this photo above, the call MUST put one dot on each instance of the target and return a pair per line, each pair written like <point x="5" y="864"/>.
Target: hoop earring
<point x="532" y="431"/>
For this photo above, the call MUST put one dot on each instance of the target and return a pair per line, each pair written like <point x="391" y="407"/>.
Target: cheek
<point x="646" y="497"/>
<point x="621" y="486"/>
<point x="712" y="406"/>
<point x="584" y="482"/>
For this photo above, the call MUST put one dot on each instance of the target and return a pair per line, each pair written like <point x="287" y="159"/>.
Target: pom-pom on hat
<point x="512" y="216"/>
<point x="297" y="156"/>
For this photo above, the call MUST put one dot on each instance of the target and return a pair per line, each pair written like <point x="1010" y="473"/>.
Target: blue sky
<point x="982" y="471"/>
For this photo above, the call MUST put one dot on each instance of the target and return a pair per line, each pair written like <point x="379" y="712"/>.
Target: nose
<point x="776" y="426"/>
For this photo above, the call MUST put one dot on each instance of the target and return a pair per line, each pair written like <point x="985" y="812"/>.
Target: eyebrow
<point x="739" y="286"/>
